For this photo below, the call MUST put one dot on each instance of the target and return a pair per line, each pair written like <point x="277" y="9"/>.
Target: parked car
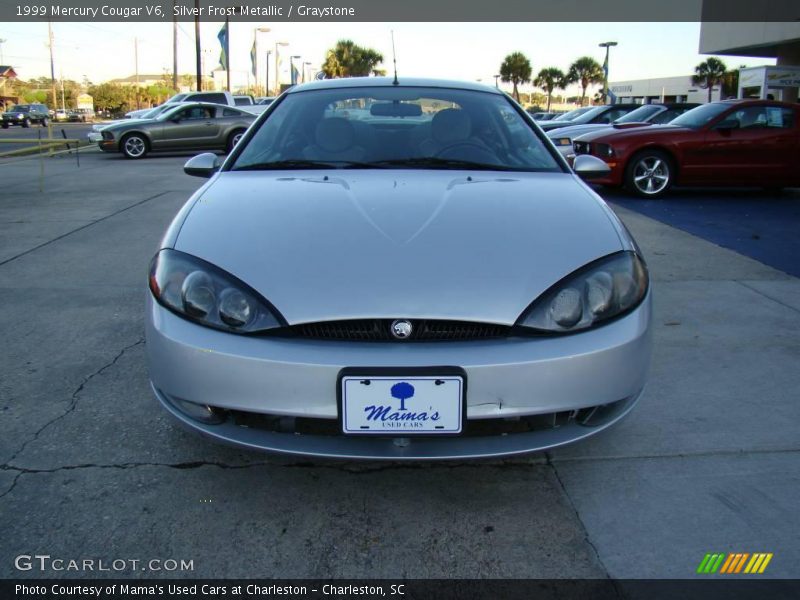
<point x="439" y="287"/>
<point x="604" y="114"/>
<point x="82" y="115"/>
<point x="734" y="142"/>
<point x="150" y="113"/>
<point x="190" y="126"/>
<point x="225" y="98"/>
<point x="243" y="100"/>
<point x="572" y="114"/>
<point x="265" y="101"/>
<point x="542" y="116"/>
<point x="61" y="115"/>
<point x="25" y="115"/>
<point x="656" y="114"/>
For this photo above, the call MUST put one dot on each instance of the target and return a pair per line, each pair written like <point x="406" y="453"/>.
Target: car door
<point x="750" y="145"/>
<point x="194" y="127"/>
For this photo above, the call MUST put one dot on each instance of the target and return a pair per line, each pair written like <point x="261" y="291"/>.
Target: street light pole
<point x="266" y="75"/>
<point x="52" y="64"/>
<point x="197" y="50"/>
<point x="496" y="78"/>
<point x="306" y="65"/>
<point x="607" y="46"/>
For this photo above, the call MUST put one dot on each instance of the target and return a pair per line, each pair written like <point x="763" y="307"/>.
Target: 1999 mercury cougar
<point x="397" y="269"/>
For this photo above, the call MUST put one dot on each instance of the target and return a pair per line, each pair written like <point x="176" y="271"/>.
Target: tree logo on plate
<point x="402" y="391"/>
<point x="401" y="329"/>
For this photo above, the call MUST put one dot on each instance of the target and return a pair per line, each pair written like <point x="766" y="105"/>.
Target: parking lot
<point x="93" y="468"/>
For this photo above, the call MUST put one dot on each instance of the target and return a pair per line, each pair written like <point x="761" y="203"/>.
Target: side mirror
<point x="727" y="125"/>
<point x="202" y="165"/>
<point x="590" y="167"/>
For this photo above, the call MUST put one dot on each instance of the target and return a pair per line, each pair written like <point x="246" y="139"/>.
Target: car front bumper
<point x="550" y="384"/>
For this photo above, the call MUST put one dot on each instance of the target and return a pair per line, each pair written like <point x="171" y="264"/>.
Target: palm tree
<point x="516" y="68"/>
<point x="709" y="73"/>
<point x="348" y="59"/>
<point x="549" y="80"/>
<point x="585" y="71"/>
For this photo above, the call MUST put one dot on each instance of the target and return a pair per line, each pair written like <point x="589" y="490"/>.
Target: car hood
<point x="633" y="133"/>
<point x="573" y="131"/>
<point x="389" y="244"/>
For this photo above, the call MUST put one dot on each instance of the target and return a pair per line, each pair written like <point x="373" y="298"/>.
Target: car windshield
<point x="640" y="115"/>
<point x="176" y="98"/>
<point x="568" y="116"/>
<point x="21" y="108"/>
<point x="395" y="127"/>
<point x="588" y="115"/>
<point x="700" y="116"/>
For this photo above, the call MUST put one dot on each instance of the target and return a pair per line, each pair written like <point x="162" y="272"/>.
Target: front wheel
<point x="650" y="174"/>
<point x="43" y="122"/>
<point x="5" y="125"/>
<point x="134" y="146"/>
<point x="234" y="139"/>
<point x="26" y="123"/>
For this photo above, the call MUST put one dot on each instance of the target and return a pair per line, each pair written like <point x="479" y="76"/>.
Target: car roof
<point x="755" y="101"/>
<point x="359" y="82"/>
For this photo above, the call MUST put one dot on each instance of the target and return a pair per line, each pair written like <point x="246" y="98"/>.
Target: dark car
<point x="25" y="115"/>
<point x="734" y="142"/>
<point x="596" y="114"/>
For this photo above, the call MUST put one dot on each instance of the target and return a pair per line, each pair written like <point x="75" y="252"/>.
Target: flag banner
<point x="253" y="60"/>
<point x="295" y="75"/>
<point x="222" y="36"/>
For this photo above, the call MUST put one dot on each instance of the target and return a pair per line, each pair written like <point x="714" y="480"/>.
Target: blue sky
<point x="470" y="51"/>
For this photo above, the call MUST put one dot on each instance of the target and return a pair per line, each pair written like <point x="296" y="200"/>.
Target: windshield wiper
<point x="307" y="164"/>
<point x="443" y="163"/>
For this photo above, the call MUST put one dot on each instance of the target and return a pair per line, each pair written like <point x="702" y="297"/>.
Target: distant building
<point x="780" y="41"/>
<point x="6" y="73"/>
<point x="661" y="89"/>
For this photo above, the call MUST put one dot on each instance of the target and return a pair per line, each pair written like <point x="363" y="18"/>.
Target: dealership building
<point x="779" y="41"/>
<point x="661" y="89"/>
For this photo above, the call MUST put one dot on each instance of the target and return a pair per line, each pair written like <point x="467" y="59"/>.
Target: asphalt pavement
<point x="91" y="467"/>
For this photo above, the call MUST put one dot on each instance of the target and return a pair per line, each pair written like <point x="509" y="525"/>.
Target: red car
<point x="729" y="143"/>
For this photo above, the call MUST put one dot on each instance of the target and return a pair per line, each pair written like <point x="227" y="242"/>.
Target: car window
<point x="230" y="112"/>
<point x="196" y="113"/>
<point x="613" y="115"/>
<point x="782" y="118"/>
<point x="406" y="127"/>
<point x="242" y="101"/>
<point x="205" y="97"/>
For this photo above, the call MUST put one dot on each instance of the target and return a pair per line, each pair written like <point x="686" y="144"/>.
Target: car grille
<point x="592" y="416"/>
<point x="380" y="330"/>
<point x="581" y="147"/>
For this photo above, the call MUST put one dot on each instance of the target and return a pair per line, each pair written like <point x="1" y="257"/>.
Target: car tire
<point x="5" y="125"/>
<point x="234" y="138"/>
<point x="26" y="123"/>
<point x="650" y="173"/>
<point x="43" y="122"/>
<point x="134" y="145"/>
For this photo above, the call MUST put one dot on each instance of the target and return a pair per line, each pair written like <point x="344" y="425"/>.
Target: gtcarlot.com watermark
<point x="45" y="563"/>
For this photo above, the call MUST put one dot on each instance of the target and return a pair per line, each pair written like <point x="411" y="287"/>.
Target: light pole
<point x="255" y="55"/>
<point x="496" y="78"/>
<point x="606" y="45"/>
<point x="266" y="78"/>
<point x="306" y="65"/>
<point x="277" y="67"/>
<point x="292" y="76"/>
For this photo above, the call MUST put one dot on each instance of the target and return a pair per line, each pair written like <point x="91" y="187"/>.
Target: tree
<point x="709" y="73"/>
<point x="109" y="96"/>
<point x="585" y="71"/>
<point x="516" y="69"/>
<point x="549" y="80"/>
<point x="347" y="59"/>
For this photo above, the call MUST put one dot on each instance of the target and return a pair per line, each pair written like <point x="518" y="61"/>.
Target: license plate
<point x="402" y="405"/>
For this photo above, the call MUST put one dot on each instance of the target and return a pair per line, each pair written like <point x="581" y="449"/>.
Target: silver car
<point x="190" y="126"/>
<point x="428" y="281"/>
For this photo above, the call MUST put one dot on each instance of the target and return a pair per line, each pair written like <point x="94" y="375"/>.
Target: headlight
<point x="562" y="141"/>
<point x="603" y="150"/>
<point x="601" y="290"/>
<point x="201" y="292"/>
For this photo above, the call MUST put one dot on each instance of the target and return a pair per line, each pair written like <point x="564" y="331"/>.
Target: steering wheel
<point x="471" y="147"/>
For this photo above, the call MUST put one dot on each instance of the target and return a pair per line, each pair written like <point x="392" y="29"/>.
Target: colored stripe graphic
<point x="734" y="563"/>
